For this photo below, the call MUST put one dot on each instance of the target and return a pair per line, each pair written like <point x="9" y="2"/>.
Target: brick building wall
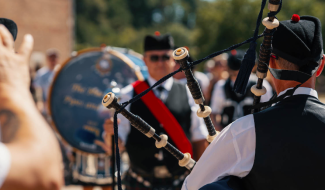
<point x="50" y="22"/>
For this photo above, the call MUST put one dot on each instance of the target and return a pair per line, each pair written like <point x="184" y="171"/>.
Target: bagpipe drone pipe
<point x="181" y="56"/>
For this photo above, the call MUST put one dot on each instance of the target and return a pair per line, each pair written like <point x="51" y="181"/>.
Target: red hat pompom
<point x="233" y="52"/>
<point x="157" y="33"/>
<point x="295" y="18"/>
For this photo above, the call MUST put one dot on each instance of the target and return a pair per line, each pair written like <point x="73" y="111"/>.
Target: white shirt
<point x="218" y="98"/>
<point x="197" y="129"/>
<point x="5" y="162"/>
<point x="232" y="152"/>
<point x="202" y="78"/>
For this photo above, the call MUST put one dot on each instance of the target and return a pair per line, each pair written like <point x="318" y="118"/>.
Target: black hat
<point x="158" y="42"/>
<point x="235" y="58"/>
<point x="300" y="42"/>
<point x="11" y="26"/>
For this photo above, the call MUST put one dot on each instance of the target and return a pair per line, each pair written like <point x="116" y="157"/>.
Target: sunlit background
<point x="205" y="26"/>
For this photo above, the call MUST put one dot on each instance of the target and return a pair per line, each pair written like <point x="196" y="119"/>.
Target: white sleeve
<point x="124" y="127"/>
<point x="218" y="97"/>
<point x="5" y="162"/>
<point x="269" y="92"/>
<point x="198" y="129"/>
<point x="232" y="152"/>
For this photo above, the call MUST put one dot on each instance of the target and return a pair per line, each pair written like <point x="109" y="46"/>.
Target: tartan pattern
<point x="156" y="183"/>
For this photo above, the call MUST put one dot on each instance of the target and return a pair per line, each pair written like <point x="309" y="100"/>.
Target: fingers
<point x="109" y="129"/>
<point x="111" y="121"/>
<point x="27" y="46"/>
<point x="109" y="126"/>
<point x="105" y="147"/>
<point x="6" y="38"/>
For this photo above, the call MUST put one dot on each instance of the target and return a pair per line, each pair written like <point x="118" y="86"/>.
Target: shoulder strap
<point x="165" y="117"/>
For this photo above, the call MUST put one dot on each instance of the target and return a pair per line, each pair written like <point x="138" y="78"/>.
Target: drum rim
<point x="119" y="55"/>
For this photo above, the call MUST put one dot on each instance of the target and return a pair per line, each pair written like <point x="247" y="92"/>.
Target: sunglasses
<point x="155" y="58"/>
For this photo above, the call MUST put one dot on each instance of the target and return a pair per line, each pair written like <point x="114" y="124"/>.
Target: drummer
<point x="151" y="167"/>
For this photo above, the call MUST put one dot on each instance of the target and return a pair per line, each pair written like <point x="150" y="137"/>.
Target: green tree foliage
<point x="223" y="23"/>
<point x="205" y="26"/>
<point x="125" y="23"/>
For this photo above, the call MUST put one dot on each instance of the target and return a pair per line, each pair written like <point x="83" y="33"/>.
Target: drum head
<point x="77" y="91"/>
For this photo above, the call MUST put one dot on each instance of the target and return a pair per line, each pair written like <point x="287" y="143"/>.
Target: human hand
<point x="109" y="131"/>
<point x="14" y="67"/>
<point x="109" y="126"/>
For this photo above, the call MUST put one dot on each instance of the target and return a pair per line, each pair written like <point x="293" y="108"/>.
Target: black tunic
<point x="227" y="115"/>
<point x="290" y="146"/>
<point x="141" y="149"/>
<point x="289" y="151"/>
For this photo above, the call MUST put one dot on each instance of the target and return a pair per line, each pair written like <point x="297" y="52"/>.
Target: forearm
<point x="35" y="154"/>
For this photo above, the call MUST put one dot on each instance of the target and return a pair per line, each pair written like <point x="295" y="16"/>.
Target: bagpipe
<point x="181" y="56"/>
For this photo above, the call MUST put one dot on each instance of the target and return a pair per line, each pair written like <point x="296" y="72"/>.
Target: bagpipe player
<point x="152" y="168"/>
<point x="281" y="147"/>
<point x="227" y="105"/>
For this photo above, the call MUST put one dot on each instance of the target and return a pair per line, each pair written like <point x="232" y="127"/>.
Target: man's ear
<point x="272" y="62"/>
<point x="321" y="67"/>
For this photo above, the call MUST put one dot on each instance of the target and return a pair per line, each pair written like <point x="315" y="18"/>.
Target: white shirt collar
<point x="183" y="80"/>
<point x="167" y="84"/>
<point x="302" y="90"/>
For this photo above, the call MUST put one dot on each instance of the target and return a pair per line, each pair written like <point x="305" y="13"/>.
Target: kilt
<point x="132" y="181"/>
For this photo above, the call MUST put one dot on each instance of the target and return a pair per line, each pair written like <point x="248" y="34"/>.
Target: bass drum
<point x="75" y="105"/>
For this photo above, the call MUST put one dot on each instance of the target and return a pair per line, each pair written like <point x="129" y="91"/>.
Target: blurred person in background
<point x="43" y="79"/>
<point x="201" y="77"/>
<point x="152" y="168"/>
<point x="226" y="105"/>
<point x="30" y="157"/>
<point x="217" y="67"/>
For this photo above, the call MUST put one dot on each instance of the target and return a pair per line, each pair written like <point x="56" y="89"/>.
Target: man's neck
<point x="167" y="84"/>
<point x="281" y="85"/>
